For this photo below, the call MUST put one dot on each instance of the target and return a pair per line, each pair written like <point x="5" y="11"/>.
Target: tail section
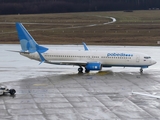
<point x="27" y="42"/>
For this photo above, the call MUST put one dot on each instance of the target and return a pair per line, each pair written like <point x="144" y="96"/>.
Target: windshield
<point x="147" y="57"/>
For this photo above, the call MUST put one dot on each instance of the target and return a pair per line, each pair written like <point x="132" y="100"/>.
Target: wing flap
<point x="78" y="63"/>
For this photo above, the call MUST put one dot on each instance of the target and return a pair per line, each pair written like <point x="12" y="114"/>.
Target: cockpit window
<point x="147" y="57"/>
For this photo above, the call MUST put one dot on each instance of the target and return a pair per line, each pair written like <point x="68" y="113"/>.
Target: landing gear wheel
<point x="141" y="70"/>
<point x="12" y="91"/>
<point x="80" y="70"/>
<point x="87" y="71"/>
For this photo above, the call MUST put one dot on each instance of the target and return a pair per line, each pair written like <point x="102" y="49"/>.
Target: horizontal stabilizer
<point x="13" y="51"/>
<point x="41" y="57"/>
<point x="41" y="49"/>
<point x="148" y="95"/>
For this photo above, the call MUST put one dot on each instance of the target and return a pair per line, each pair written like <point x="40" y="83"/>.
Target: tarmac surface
<point x="49" y="92"/>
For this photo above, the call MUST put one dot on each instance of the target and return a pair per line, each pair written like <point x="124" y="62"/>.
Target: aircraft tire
<point x="141" y="70"/>
<point x="80" y="70"/>
<point x="87" y="71"/>
<point x="12" y="91"/>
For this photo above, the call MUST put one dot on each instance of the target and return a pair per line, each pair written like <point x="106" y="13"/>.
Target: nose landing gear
<point x="141" y="70"/>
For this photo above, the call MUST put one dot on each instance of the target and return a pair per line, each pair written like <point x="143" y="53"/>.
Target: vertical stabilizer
<point x="27" y="42"/>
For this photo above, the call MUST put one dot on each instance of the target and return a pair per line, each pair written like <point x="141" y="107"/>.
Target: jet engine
<point x="93" y="66"/>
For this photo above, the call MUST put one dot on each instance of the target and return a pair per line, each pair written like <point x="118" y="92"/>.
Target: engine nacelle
<point x="93" y="66"/>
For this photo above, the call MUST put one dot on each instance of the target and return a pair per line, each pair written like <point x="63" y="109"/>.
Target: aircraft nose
<point x="153" y="62"/>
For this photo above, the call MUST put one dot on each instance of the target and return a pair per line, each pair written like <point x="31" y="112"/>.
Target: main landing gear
<point x="80" y="70"/>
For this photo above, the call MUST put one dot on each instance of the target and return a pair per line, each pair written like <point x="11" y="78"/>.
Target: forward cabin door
<point x="137" y="58"/>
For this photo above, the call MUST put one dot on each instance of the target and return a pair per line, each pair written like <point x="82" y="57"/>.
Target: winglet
<point x="85" y="46"/>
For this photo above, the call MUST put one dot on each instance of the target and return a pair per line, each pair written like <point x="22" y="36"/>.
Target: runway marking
<point x="39" y="84"/>
<point x="92" y="25"/>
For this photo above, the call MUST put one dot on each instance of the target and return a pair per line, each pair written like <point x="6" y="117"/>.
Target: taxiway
<point x="51" y="92"/>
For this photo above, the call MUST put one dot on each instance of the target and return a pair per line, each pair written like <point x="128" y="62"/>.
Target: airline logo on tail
<point x="27" y="42"/>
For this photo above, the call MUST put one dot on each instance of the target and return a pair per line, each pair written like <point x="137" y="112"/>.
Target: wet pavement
<point x="49" y="92"/>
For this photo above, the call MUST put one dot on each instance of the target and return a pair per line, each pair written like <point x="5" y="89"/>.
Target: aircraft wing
<point x="148" y="95"/>
<point x="78" y="63"/>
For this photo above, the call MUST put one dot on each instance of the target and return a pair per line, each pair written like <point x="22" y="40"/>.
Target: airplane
<point x="148" y="95"/>
<point x="87" y="59"/>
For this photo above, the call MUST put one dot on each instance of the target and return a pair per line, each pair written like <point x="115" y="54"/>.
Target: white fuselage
<point x="90" y="60"/>
<point x="106" y="58"/>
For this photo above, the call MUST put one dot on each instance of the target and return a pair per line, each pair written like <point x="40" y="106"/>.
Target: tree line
<point x="59" y="6"/>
